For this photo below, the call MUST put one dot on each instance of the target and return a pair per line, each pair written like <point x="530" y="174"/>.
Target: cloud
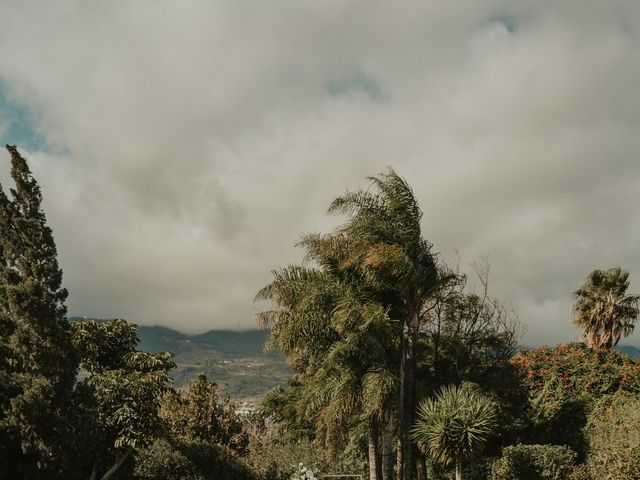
<point x="187" y="147"/>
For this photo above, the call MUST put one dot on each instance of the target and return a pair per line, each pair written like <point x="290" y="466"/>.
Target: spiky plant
<point x="454" y="425"/>
<point x="603" y="310"/>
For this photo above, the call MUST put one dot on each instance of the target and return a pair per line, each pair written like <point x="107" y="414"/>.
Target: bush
<point x="161" y="461"/>
<point x="564" y="382"/>
<point x="579" y="369"/>
<point x="192" y="461"/>
<point x="613" y="435"/>
<point x="580" y="472"/>
<point x="534" y="462"/>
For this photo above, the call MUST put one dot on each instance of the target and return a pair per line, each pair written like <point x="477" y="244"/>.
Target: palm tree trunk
<point x="458" y="470"/>
<point x="402" y="404"/>
<point x="387" y="447"/>
<point x="421" y="467"/>
<point x="410" y="400"/>
<point x="375" y="457"/>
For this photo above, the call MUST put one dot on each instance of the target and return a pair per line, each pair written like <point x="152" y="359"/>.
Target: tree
<point x="468" y="331"/>
<point x="355" y="382"/>
<point x="380" y="254"/>
<point x="603" y="310"/>
<point x="470" y="336"/>
<point x="388" y="249"/>
<point x="123" y="391"/>
<point x="336" y="336"/>
<point x="454" y="425"/>
<point x="199" y="413"/>
<point x="37" y="364"/>
<point x="202" y="438"/>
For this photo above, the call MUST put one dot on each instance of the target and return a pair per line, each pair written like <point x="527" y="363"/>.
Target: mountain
<point x="234" y="360"/>
<point x="160" y="339"/>
<point x="630" y="350"/>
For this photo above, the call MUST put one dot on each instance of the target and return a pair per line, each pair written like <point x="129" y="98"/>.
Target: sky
<point x="184" y="147"/>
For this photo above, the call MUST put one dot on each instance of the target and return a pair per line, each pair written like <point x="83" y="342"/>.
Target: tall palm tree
<point x="603" y="310"/>
<point x="353" y="387"/>
<point x="334" y="332"/>
<point x="380" y="254"/>
<point x="454" y="425"/>
<point x="388" y="250"/>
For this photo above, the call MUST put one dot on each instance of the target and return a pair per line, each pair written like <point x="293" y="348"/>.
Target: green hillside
<point x="234" y="360"/>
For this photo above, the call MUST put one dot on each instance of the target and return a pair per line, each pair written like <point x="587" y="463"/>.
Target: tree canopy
<point x="603" y="309"/>
<point x="38" y="366"/>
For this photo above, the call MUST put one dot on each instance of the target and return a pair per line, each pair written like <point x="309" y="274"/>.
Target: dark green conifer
<point x="37" y="365"/>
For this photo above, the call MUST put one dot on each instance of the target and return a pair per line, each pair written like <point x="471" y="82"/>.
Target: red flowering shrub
<point x="564" y="382"/>
<point x="579" y="369"/>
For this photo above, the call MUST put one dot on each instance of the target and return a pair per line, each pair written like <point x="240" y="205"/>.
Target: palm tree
<point x="387" y="248"/>
<point x="454" y="425"/>
<point x="336" y="336"/>
<point x="603" y="310"/>
<point x="378" y="257"/>
<point x="356" y="382"/>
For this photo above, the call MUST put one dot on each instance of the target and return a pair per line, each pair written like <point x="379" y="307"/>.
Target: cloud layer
<point x="184" y="148"/>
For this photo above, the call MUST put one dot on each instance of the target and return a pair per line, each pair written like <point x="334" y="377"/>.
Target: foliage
<point x="579" y="369"/>
<point x="468" y="330"/>
<point x="564" y="381"/>
<point x="388" y="251"/>
<point x="124" y="389"/>
<point x="163" y="460"/>
<point x="338" y="336"/>
<point x="203" y="436"/>
<point x="479" y="468"/>
<point x="283" y="406"/>
<point x="455" y="424"/>
<point x="37" y="364"/>
<point x="369" y="283"/>
<point x="603" y="310"/>
<point x="470" y="336"/>
<point x="534" y="462"/>
<point x="274" y="457"/>
<point x="613" y="435"/>
<point x="199" y="413"/>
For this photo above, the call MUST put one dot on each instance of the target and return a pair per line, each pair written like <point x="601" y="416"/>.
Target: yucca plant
<point x="454" y="425"/>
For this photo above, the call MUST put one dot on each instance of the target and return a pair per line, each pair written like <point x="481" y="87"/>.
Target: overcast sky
<point x="184" y="147"/>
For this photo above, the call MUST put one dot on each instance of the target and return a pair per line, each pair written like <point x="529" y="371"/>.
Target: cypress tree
<point x="37" y="365"/>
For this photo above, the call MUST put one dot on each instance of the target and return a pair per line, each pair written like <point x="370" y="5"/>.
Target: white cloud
<point x="195" y="142"/>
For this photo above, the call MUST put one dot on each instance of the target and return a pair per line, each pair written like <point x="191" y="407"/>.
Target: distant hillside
<point x="160" y="339"/>
<point x="629" y="350"/>
<point x="234" y="360"/>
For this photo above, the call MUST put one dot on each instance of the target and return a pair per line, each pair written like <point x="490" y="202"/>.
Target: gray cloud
<point x="189" y="146"/>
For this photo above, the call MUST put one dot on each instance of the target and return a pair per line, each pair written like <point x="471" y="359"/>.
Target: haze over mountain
<point x="183" y="149"/>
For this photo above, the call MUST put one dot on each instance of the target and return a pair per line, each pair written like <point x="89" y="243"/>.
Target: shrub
<point x="579" y="369"/>
<point x="191" y="461"/>
<point x="613" y="435"/>
<point x="564" y="382"/>
<point x="161" y="461"/>
<point x="534" y="462"/>
<point x="580" y="472"/>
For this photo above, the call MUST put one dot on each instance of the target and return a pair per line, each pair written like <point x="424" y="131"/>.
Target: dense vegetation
<point x="403" y="367"/>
